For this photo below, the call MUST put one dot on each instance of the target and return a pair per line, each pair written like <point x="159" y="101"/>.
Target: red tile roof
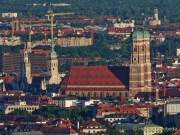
<point x="177" y="132"/>
<point x="92" y="123"/>
<point x="125" y="109"/>
<point x="8" y="79"/>
<point x="62" y="127"/>
<point x="120" y="30"/>
<point x="98" y="76"/>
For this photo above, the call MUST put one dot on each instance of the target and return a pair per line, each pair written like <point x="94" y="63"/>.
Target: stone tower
<point x="140" y="67"/>
<point x="53" y="68"/>
<point x="156" y="14"/>
<point x="27" y="63"/>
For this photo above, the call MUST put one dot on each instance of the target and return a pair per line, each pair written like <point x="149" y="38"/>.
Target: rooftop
<point x="152" y="125"/>
<point x="98" y="76"/>
<point x="92" y="123"/>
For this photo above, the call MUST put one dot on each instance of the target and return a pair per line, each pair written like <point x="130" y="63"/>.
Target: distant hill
<point x="123" y="8"/>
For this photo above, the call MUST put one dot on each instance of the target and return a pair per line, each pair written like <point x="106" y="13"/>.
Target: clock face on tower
<point x="134" y="59"/>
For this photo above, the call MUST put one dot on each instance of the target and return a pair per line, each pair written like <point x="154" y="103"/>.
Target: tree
<point x="1" y="113"/>
<point x="57" y="112"/>
<point x="20" y="112"/>
<point x="114" y="132"/>
<point x="123" y="8"/>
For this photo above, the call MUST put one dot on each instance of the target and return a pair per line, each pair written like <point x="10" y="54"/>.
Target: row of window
<point x="96" y="94"/>
<point x="27" y="109"/>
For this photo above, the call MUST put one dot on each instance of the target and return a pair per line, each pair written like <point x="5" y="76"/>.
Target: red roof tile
<point x="92" y="123"/>
<point x="98" y="76"/>
<point x="126" y="109"/>
<point x="177" y="132"/>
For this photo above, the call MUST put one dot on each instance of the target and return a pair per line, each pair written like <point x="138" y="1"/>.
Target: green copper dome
<point x="137" y="35"/>
<point x="146" y="34"/>
<point x="140" y="34"/>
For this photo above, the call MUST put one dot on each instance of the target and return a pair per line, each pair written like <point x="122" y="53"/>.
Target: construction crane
<point x="30" y="33"/>
<point x="51" y="16"/>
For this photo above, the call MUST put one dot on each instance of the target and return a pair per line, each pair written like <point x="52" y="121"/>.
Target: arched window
<point x="95" y="94"/>
<point x="135" y="49"/>
<point x="119" y="94"/>
<point x="101" y="94"/>
<point x="114" y="94"/>
<point x="89" y="94"/>
<point x="142" y="48"/>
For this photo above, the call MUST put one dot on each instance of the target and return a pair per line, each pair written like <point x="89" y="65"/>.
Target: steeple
<point x="53" y="68"/>
<point x="27" y="62"/>
<point x="53" y="52"/>
<point x="53" y="62"/>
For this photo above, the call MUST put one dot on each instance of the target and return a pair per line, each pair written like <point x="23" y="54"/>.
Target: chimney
<point x="78" y="125"/>
<point x="157" y="94"/>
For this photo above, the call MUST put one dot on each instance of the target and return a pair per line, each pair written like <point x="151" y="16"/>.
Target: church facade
<point x="105" y="81"/>
<point x="97" y="82"/>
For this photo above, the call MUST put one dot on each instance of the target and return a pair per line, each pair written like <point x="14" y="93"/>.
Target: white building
<point x="152" y="129"/>
<point x="90" y="102"/>
<point x="114" y="118"/>
<point x="9" y="15"/>
<point x="65" y="102"/>
<point x="10" y="41"/>
<point x="172" y="108"/>
<point x="178" y="52"/>
<point x="176" y="62"/>
<point x="93" y="127"/>
<point x="125" y="24"/>
<point x="8" y="108"/>
<point x="122" y="29"/>
<point x="155" y="21"/>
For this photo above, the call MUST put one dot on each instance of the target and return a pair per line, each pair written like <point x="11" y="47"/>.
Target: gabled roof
<point x="98" y="76"/>
<point x="49" y="130"/>
<point x="92" y="123"/>
<point x="177" y="132"/>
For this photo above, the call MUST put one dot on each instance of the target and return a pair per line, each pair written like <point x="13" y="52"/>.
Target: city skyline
<point x="89" y="67"/>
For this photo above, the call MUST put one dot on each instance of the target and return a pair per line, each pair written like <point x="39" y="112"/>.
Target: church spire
<point x="53" y="66"/>
<point x="27" y="63"/>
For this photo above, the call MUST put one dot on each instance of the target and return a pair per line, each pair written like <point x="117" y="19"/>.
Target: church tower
<point x="27" y="63"/>
<point x="53" y="67"/>
<point x="140" y="67"/>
